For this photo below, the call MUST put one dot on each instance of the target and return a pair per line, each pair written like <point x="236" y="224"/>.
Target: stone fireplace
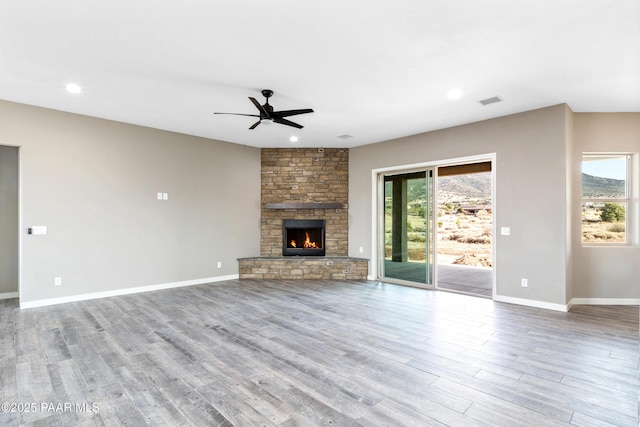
<point x="304" y="184"/>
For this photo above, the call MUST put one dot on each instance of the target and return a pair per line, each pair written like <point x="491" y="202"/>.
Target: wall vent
<point x="491" y="100"/>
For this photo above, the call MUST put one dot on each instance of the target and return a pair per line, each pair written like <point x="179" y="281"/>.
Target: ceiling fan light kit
<point x="268" y="116"/>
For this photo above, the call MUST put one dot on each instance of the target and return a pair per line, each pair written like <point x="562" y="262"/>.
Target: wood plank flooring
<point x="316" y="353"/>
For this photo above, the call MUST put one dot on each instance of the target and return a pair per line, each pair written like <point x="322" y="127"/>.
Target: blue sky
<point x="606" y="168"/>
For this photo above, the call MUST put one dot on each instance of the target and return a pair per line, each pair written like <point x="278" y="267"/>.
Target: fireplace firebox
<point x="304" y="237"/>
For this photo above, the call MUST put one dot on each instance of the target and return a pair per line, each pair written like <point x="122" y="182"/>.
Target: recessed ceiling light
<point x="454" y="94"/>
<point x="293" y="139"/>
<point x="73" y="88"/>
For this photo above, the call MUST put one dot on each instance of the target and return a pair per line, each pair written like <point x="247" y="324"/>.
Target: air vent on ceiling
<point x="345" y="136"/>
<point x="491" y="100"/>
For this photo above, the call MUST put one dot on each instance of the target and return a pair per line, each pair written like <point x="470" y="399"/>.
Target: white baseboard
<point x="532" y="303"/>
<point x="127" y="291"/>
<point x="567" y="307"/>
<point x="9" y="295"/>
<point x="605" y="301"/>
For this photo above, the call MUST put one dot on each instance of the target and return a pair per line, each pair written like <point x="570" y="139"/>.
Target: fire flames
<point x="307" y="244"/>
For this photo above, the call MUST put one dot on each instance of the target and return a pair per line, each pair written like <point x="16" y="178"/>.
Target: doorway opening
<point x="9" y="222"/>
<point x="465" y="228"/>
<point x="435" y="227"/>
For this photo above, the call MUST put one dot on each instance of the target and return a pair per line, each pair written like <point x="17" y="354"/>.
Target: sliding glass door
<point x="406" y="227"/>
<point x="437" y="238"/>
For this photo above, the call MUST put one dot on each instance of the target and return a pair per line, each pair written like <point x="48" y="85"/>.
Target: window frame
<point x="626" y="201"/>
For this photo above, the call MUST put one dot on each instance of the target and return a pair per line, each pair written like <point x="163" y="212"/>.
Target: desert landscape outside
<point x="463" y="219"/>
<point x="604" y="199"/>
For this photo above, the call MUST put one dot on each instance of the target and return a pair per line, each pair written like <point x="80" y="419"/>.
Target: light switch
<point x="39" y="229"/>
<point x="165" y="196"/>
<point x="505" y="231"/>
<point x="159" y="196"/>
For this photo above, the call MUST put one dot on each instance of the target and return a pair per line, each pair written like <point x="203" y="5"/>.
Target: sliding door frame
<point x="377" y="213"/>
<point x="380" y="253"/>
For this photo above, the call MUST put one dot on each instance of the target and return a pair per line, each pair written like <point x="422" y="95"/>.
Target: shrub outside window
<point x="605" y="198"/>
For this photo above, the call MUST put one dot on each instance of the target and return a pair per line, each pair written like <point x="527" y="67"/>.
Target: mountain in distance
<point x="474" y="185"/>
<point x="478" y="185"/>
<point x="595" y="186"/>
<point x="475" y="188"/>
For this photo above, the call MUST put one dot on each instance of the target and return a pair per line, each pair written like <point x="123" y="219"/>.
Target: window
<point x="605" y="198"/>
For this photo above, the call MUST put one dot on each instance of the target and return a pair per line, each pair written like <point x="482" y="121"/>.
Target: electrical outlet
<point x="57" y="281"/>
<point x="219" y="264"/>
<point x="524" y="283"/>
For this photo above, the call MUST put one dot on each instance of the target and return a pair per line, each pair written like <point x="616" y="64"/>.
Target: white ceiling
<point x="375" y="70"/>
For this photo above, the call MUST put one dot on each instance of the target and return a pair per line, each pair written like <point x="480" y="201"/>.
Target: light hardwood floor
<point x="307" y="353"/>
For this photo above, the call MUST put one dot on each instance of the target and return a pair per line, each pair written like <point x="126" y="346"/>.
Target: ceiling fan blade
<point x="287" y="113"/>
<point x="263" y="112"/>
<point x="267" y="113"/>
<point x="240" y="114"/>
<point x="287" y="122"/>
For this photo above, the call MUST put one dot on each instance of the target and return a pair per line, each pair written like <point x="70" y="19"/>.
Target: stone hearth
<point x="329" y="268"/>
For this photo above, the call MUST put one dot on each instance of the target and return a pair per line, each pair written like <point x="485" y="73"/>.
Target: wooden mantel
<point x="310" y="205"/>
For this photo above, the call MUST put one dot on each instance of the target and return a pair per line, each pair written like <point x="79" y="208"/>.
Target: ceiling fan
<point x="268" y="116"/>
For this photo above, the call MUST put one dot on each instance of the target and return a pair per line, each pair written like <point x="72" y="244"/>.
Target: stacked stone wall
<point x="305" y="175"/>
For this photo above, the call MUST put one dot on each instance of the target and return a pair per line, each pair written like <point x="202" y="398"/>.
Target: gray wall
<point x="531" y="193"/>
<point x="93" y="183"/>
<point x="8" y="219"/>
<point x="606" y="272"/>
